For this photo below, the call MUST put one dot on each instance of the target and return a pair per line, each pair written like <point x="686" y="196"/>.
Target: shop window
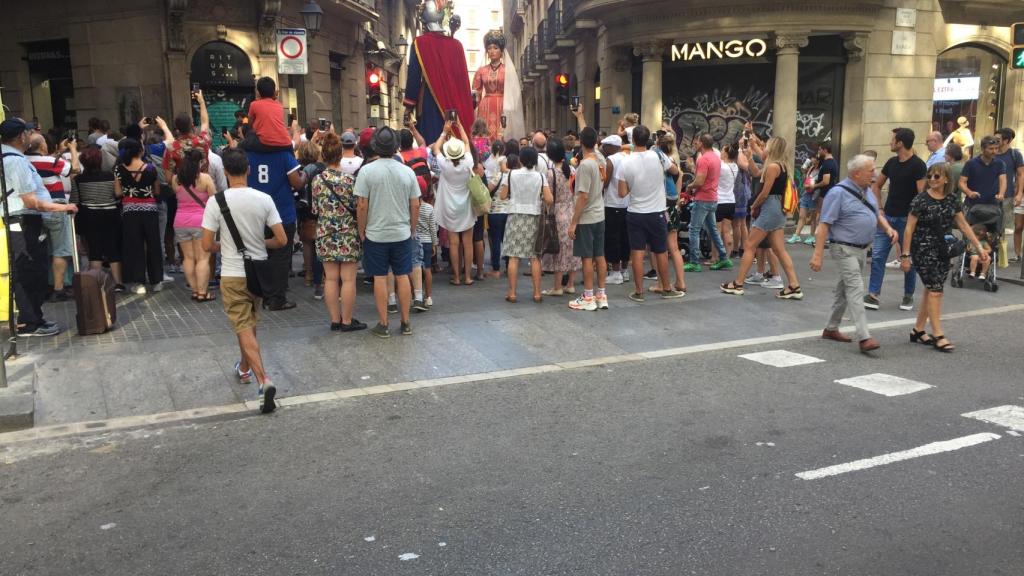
<point x="967" y="98"/>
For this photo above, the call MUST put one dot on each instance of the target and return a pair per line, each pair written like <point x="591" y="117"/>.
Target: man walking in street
<point x="276" y="174"/>
<point x="983" y="180"/>
<point x="251" y="212"/>
<point x="849" y="220"/>
<point x="388" y="209"/>
<point x="1014" y="163"/>
<point x="704" y="206"/>
<point x="643" y="180"/>
<point x="587" y="226"/>
<point x="936" y="149"/>
<point x="27" y="198"/>
<point x="905" y="173"/>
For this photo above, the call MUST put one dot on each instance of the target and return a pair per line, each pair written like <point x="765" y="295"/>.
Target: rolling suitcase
<point x="95" y="302"/>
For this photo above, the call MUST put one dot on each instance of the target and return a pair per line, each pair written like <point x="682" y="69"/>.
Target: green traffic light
<point x="1017" y="59"/>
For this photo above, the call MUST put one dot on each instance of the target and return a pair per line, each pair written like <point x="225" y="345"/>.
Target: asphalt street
<point x="681" y="465"/>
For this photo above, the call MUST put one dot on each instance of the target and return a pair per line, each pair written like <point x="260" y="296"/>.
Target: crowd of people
<point x="609" y="208"/>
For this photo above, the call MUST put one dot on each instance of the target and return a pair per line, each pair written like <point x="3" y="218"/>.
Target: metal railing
<point x="541" y="39"/>
<point x="554" y="24"/>
<point x="568" y="13"/>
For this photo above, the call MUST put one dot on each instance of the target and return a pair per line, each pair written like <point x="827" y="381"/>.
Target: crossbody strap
<point x="230" y="222"/>
<point x="860" y="197"/>
<point x="194" y="197"/>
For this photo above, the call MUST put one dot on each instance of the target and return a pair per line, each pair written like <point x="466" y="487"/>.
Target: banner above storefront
<point x="965" y="88"/>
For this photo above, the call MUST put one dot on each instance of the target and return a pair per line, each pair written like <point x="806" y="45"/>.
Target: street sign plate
<point x="292" y="56"/>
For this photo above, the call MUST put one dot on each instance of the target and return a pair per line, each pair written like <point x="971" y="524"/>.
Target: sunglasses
<point x="936" y="176"/>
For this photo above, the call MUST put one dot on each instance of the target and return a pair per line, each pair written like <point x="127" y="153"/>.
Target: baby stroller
<point x="991" y="217"/>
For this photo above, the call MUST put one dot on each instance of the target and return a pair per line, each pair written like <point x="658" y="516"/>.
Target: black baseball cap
<point x="12" y="127"/>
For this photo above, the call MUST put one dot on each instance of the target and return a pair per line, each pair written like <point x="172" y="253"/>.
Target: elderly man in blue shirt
<point x="849" y="219"/>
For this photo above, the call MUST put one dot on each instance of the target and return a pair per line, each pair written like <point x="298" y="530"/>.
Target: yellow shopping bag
<point x="5" y="277"/>
<point x="1004" y="258"/>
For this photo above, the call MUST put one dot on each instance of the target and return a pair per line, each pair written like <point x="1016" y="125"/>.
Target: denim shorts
<point x="807" y="202"/>
<point x="187" y="234"/>
<point x="428" y="254"/>
<point x="379" y="257"/>
<point x="417" y="252"/>
<point x="58" y="232"/>
<point x="771" y="217"/>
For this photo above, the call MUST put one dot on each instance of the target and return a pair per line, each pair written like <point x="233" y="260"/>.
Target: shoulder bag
<point x="257" y="272"/>
<point x="547" y="231"/>
<point x="479" y="196"/>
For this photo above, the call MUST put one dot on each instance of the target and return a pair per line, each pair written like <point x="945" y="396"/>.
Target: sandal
<point x="948" y="347"/>
<point x="538" y="299"/>
<point x="732" y="287"/>
<point x="205" y="297"/>
<point x="455" y="282"/>
<point x="469" y="282"/>
<point x="919" y="337"/>
<point x="195" y="295"/>
<point x="510" y="299"/>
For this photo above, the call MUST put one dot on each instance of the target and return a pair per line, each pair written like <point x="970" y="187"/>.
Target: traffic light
<point x="562" y="88"/>
<point x="1017" y="52"/>
<point x="373" y="79"/>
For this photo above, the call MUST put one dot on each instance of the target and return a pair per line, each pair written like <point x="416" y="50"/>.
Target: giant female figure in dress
<point x="500" y="94"/>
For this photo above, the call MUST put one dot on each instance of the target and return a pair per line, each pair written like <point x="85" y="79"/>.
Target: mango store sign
<point x="719" y="50"/>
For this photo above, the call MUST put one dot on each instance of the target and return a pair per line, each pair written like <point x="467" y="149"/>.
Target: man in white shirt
<point x="643" y="180"/>
<point x="540" y="144"/>
<point x="350" y="163"/>
<point x="616" y="239"/>
<point x="216" y="170"/>
<point x="252" y="211"/>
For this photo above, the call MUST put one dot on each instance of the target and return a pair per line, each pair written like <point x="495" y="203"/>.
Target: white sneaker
<point x="156" y="287"/>
<point x="625" y="275"/>
<point x="602" y="302"/>
<point x="429" y="301"/>
<point x="755" y="278"/>
<point x="894" y="264"/>
<point x="775" y="282"/>
<point x="582" y="303"/>
<point x="168" y="278"/>
<point x="139" y="289"/>
<point x="614" y="278"/>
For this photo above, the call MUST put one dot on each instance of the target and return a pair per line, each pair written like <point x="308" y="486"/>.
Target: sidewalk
<point x="168" y="353"/>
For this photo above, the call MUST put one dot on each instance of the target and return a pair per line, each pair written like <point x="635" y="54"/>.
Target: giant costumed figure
<point x="438" y="79"/>
<point x="497" y="85"/>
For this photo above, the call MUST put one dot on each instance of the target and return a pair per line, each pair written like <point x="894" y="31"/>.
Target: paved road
<point x="170" y="354"/>
<point x="681" y="465"/>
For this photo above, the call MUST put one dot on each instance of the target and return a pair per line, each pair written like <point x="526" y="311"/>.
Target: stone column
<point x="786" y="76"/>
<point x="653" y="55"/>
<point x="852" y="138"/>
<point x="616" y="88"/>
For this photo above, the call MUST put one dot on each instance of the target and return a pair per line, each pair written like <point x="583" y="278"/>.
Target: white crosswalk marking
<point x="926" y="450"/>
<point x="885" y="384"/>
<point x="1011" y="417"/>
<point x="781" y="358"/>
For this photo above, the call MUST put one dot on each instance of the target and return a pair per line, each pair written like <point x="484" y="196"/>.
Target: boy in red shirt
<point x="266" y="116"/>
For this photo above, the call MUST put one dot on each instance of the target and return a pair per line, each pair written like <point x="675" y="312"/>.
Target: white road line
<point x="227" y="410"/>
<point x="926" y="450"/>
<point x="781" y="358"/>
<point x="1011" y="417"/>
<point x="885" y="384"/>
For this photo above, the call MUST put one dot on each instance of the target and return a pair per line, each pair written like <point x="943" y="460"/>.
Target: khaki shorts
<point x="239" y="305"/>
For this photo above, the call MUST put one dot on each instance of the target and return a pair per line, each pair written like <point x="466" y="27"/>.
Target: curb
<point x="17" y="401"/>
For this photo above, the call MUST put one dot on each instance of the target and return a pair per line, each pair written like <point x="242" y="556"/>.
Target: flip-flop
<point x="208" y="297"/>
<point x="455" y="282"/>
<point x="510" y="299"/>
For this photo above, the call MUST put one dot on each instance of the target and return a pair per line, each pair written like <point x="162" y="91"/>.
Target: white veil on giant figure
<point x="512" y="101"/>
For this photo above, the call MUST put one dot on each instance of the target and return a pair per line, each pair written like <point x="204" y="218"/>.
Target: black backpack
<point x="419" y="167"/>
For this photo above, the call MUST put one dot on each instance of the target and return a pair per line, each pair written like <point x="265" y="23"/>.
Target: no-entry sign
<point x="291" y="51"/>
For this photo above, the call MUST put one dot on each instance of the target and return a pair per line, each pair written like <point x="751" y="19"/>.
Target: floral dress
<point x="334" y="203"/>
<point x="564" y="206"/>
<point x="928" y="244"/>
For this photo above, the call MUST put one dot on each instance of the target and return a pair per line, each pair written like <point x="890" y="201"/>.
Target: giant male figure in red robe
<point x="438" y="78"/>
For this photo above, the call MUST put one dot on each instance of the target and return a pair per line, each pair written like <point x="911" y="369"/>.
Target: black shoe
<point x="368" y="280"/>
<point x="267" y="404"/>
<point x="354" y="326"/>
<point x="282" y="306"/>
<point x="59" y="296"/>
<point x="119" y="288"/>
<point x="392" y="308"/>
<point x="42" y="330"/>
<point x="406" y="329"/>
<point x="419" y="306"/>
<point x="652" y="274"/>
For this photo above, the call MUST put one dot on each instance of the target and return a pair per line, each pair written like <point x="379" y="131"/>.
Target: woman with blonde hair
<point x="769" y="222"/>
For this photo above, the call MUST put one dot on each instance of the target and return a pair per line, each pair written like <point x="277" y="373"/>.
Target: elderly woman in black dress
<point x="932" y="215"/>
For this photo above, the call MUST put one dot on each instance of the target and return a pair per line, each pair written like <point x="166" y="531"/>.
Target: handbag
<point x="547" y="230"/>
<point x="479" y="196"/>
<point x="257" y="272"/>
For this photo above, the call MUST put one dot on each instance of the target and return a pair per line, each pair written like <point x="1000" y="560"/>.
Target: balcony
<point x="554" y="25"/>
<point x="516" y="15"/>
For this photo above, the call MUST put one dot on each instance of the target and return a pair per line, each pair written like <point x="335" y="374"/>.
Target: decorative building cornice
<point x="636" y="14"/>
<point x="856" y="44"/>
<point x="176" y="10"/>
<point x="267" y="29"/>
<point x="651" y="51"/>
<point x="787" y="42"/>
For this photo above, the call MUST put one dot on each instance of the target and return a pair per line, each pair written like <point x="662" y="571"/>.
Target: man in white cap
<point x="388" y="209"/>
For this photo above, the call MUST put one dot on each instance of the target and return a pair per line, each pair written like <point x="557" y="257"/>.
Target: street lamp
<point x="402" y="44"/>
<point x="312" y="15"/>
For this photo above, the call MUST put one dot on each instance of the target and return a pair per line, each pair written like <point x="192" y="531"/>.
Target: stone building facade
<point x="810" y="71"/>
<point x="64" y="62"/>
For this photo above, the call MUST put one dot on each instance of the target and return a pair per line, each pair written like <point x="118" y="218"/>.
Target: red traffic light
<point x="562" y="79"/>
<point x="373" y="78"/>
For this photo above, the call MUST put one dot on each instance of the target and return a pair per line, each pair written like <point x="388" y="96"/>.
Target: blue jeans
<point x="879" y="254"/>
<point x="495" y="235"/>
<point x="703" y="214"/>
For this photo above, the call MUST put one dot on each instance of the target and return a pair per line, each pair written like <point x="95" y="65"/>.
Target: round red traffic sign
<point x="291" y="47"/>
